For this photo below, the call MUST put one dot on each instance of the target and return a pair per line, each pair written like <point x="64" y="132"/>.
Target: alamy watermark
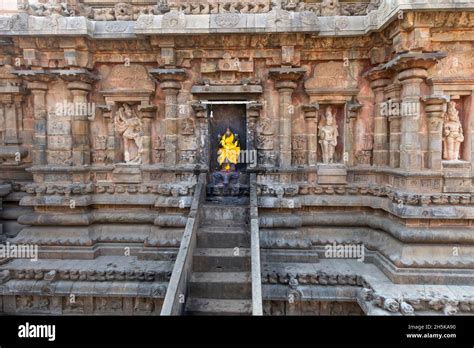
<point x="405" y="108"/>
<point x="19" y="251"/>
<point x="244" y="156"/>
<point x="28" y="330"/>
<point x="344" y="251"/>
<point x="75" y="109"/>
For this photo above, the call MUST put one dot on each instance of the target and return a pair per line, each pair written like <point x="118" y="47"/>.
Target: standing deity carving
<point x="130" y="126"/>
<point x="328" y="135"/>
<point x="452" y="133"/>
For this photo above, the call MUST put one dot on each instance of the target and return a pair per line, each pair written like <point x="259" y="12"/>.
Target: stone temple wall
<point x="104" y="124"/>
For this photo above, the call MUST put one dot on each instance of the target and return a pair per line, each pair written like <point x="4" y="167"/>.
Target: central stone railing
<point x="255" y="249"/>
<point x="174" y="302"/>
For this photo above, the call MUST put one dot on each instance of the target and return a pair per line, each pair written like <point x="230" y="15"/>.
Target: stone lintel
<point x="227" y="89"/>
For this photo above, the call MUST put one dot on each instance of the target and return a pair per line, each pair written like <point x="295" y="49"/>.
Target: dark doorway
<point x="223" y="116"/>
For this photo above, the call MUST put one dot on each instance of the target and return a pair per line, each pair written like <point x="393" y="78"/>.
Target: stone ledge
<point x="179" y="23"/>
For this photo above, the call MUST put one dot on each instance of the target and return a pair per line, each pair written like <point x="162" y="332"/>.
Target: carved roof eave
<point x="23" y="24"/>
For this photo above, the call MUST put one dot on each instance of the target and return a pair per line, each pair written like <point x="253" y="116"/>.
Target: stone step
<point x="221" y="285"/>
<point x="222" y="237"/>
<point x="203" y="306"/>
<point x="221" y="260"/>
<point x="233" y="228"/>
<point x="219" y="213"/>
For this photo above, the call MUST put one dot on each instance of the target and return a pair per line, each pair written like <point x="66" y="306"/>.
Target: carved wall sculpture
<point x="452" y="133"/>
<point x="130" y="127"/>
<point x="328" y="134"/>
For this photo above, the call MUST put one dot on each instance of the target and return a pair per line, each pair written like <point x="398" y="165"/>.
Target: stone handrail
<point x="175" y="298"/>
<point x="255" y="249"/>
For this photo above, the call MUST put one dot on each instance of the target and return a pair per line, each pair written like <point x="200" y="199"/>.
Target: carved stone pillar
<point x="435" y="106"/>
<point x="10" y="117"/>
<point x="392" y="94"/>
<point x="412" y="71"/>
<point x="11" y="126"/>
<point x="79" y="83"/>
<point x="110" y="147"/>
<point x="170" y="83"/>
<point x="148" y="113"/>
<point x="379" y="80"/>
<point x="253" y="112"/>
<point x="38" y="90"/>
<point x="363" y="155"/>
<point x="203" y="135"/>
<point x="311" y="118"/>
<point x="81" y="153"/>
<point x="285" y="82"/>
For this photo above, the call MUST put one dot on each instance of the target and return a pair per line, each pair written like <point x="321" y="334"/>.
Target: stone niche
<point x="333" y="85"/>
<point x="128" y="115"/>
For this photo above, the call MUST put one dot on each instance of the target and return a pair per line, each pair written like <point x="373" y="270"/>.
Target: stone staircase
<point x="221" y="280"/>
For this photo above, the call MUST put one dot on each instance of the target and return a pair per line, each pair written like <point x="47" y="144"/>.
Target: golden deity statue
<point x="229" y="150"/>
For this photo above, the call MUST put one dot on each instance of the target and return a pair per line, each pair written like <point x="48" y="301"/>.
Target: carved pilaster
<point x="285" y="82"/>
<point x="392" y="94"/>
<point x="379" y="79"/>
<point x="202" y="126"/>
<point x="311" y="118"/>
<point x="253" y="113"/>
<point x="435" y="105"/>
<point x="170" y="83"/>
<point x="37" y="83"/>
<point x="79" y="83"/>
<point x="147" y="113"/>
<point x="106" y="110"/>
<point x="363" y="153"/>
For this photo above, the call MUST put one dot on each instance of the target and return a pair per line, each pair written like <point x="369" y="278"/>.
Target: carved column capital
<point x="253" y="109"/>
<point x="169" y="78"/>
<point x="414" y="60"/>
<point x="435" y="105"/>
<point x="36" y="79"/>
<point x="310" y="110"/>
<point x="352" y="107"/>
<point x="147" y="110"/>
<point x="78" y="78"/>
<point x="199" y="109"/>
<point x="286" y="78"/>
<point x="379" y="77"/>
